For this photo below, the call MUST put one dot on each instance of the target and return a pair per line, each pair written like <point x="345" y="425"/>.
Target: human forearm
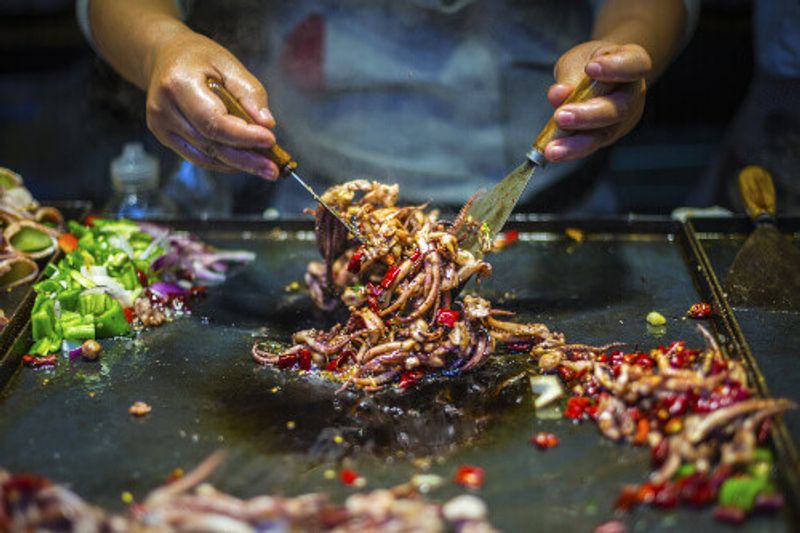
<point x="129" y="33"/>
<point x="656" y="25"/>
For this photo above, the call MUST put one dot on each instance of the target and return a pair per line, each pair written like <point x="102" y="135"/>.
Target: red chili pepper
<point x="373" y="304"/>
<point x="566" y="374"/>
<point x="356" y="260"/>
<point x="130" y="315"/>
<point x="447" y="317"/>
<point x="68" y="242"/>
<point x="34" y="361"/>
<point x="646" y="492"/>
<point x="408" y="379"/>
<point x="469" y="476"/>
<point x="198" y="290"/>
<point x="545" y="441"/>
<point x="519" y="347"/>
<point x="700" y="311"/>
<point x="511" y="236"/>
<point x="286" y="361"/>
<point x="416" y="255"/>
<point x="627" y="499"/>
<point x="304" y="359"/>
<point x="89" y="221"/>
<point x="348" y="477"/>
<point x="390" y="276"/>
<point x="642" y="430"/>
<point x="337" y="362"/>
<point x="576" y="407"/>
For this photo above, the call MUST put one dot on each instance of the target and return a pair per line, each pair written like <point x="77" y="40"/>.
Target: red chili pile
<point x="703" y="422"/>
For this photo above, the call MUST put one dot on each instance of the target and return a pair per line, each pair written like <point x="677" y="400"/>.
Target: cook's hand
<point x="599" y="121"/>
<point x="187" y="117"/>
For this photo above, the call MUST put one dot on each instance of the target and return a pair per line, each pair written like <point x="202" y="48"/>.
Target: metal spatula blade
<point x="493" y="208"/>
<point x="766" y="271"/>
<point x="491" y="211"/>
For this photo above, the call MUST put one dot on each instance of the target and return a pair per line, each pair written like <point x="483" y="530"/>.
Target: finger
<point x="208" y="115"/>
<point x="579" y="145"/>
<point x="558" y="93"/>
<point x="249" y="92"/>
<point x="244" y="160"/>
<point x="185" y="149"/>
<point x="626" y="63"/>
<point x="600" y="112"/>
<point x="160" y="121"/>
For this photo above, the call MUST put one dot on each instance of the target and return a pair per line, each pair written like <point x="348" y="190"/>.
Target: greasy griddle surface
<point x="206" y="393"/>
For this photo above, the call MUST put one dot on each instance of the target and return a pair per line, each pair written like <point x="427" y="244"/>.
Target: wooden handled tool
<point x="586" y="89"/>
<point x="275" y="153"/>
<point x="285" y="162"/>
<point x="766" y="271"/>
<point x="758" y="192"/>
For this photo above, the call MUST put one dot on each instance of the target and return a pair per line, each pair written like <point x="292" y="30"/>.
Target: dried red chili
<point x="36" y="361"/>
<point x="356" y="260"/>
<point x="337" y="362"/>
<point x="390" y="276"/>
<point x="416" y="255"/>
<point x="286" y="361"/>
<point x="511" y="236"/>
<point x="304" y="359"/>
<point x="129" y="314"/>
<point x="700" y="311"/>
<point x="469" y="476"/>
<point x="545" y="441"/>
<point x="408" y="379"/>
<point x="348" y="477"/>
<point x="447" y="317"/>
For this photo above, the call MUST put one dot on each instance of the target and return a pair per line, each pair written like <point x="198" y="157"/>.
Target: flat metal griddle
<point x="72" y="425"/>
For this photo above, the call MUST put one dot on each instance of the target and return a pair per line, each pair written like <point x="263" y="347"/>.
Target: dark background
<point x="64" y="114"/>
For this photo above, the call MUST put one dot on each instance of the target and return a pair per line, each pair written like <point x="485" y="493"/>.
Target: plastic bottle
<point x="198" y="193"/>
<point x="134" y="178"/>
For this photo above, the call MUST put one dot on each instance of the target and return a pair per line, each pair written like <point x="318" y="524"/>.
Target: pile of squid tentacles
<point x="401" y="288"/>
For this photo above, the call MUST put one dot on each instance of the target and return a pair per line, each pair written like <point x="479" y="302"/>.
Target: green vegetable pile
<point x="87" y="295"/>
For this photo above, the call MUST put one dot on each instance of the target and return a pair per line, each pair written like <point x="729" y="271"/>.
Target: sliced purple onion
<point x="168" y="291"/>
<point x="75" y="353"/>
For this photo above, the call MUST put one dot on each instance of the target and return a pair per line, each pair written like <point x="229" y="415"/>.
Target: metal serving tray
<point x="72" y="424"/>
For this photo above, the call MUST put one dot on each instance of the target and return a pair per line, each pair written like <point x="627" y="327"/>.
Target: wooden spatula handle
<point x="758" y="192"/>
<point x="275" y="153"/>
<point x="587" y="88"/>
